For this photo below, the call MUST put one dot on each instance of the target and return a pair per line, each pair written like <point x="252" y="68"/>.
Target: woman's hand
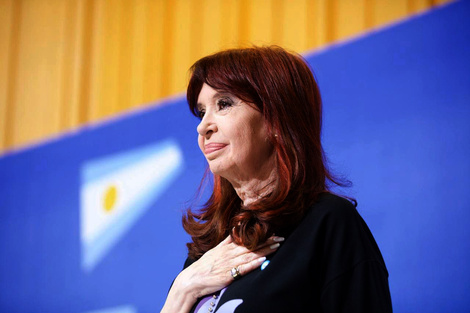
<point x="212" y="271"/>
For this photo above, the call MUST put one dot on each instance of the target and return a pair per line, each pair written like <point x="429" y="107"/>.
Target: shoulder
<point x="333" y="219"/>
<point x="334" y="223"/>
<point x="327" y="211"/>
<point x="334" y="202"/>
<point x="333" y="208"/>
<point x="352" y="264"/>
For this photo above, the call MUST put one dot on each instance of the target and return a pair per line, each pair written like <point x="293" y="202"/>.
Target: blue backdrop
<point x="91" y="222"/>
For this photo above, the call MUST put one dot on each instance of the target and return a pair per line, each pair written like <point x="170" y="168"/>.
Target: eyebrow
<point x="217" y="94"/>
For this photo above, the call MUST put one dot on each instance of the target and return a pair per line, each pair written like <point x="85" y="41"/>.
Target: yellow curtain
<point x="64" y="63"/>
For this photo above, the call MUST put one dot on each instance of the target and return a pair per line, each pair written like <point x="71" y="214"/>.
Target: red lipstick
<point x="212" y="147"/>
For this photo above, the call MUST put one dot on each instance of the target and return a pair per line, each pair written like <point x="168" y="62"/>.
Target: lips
<point x="212" y="147"/>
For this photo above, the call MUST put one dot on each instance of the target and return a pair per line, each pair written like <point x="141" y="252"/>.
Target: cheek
<point x="249" y="140"/>
<point x="200" y="142"/>
<point x="259" y="139"/>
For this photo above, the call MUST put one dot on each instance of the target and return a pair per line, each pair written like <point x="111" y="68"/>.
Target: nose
<point x="207" y="126"/>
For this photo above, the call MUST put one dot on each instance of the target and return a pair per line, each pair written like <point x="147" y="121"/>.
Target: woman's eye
<point x="224" y="103"/>
<point x="200" y="113"/>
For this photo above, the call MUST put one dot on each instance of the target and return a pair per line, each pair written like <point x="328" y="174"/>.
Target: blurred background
<point x="98" y="152"/>
<point x="67" y="63"/>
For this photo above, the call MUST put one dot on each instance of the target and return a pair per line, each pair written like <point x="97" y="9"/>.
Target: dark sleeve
<point x="356" y="278"/>
<point x="363" y="289"/>
<point x="188" y="262"/>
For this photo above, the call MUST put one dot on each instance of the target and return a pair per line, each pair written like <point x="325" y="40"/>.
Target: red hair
<point x="281" y="85"/>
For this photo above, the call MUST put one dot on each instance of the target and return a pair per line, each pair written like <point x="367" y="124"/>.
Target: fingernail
<point x="262" y="259"/>
<point x="278" y="239"/>
<point x="275" y="246"/>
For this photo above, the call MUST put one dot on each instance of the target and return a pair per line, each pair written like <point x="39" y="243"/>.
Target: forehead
<point x="207" y="92"/>
<point x="208" y="95"/>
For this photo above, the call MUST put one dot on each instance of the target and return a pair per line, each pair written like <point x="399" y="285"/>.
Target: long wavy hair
<point x="281" y="85"/>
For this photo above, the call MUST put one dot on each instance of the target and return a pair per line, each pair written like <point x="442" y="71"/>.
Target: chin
<point x="218" y="169"/>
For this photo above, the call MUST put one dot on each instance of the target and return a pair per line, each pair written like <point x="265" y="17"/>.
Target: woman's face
<point x="233" y="136"/>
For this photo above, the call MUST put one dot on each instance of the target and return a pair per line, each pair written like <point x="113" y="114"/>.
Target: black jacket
<point x="329" y="263"/>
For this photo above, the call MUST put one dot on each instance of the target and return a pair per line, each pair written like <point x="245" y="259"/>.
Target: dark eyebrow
<point x="218" y="94"/>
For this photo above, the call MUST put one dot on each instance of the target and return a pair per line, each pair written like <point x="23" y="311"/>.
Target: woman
<point x="271" y="238"/>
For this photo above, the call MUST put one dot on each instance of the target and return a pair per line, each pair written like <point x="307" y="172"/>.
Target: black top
<point x="329" y="263"/>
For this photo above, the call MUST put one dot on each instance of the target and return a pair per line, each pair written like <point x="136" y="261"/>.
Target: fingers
<point x="253" y="259"/>
<point x="273" y="241"/>
<point x="227" y="240"/>
<point x="267" y="249"/>
<point x="243" y="255"/>
<point x="276" y="239"/>
<point x="250" y="266"/>
<point x="212" y="271"/>
<point x="242" y="258"/>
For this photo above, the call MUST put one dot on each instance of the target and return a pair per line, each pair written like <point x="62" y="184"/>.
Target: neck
<point x="255" y="187"/>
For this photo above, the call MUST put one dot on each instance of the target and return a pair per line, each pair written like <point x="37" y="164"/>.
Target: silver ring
<point x="235" y="273"/>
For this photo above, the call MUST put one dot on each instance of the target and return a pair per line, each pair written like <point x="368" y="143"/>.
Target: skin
<point x="246" y="159"/>
<point x="233" y="138"/>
